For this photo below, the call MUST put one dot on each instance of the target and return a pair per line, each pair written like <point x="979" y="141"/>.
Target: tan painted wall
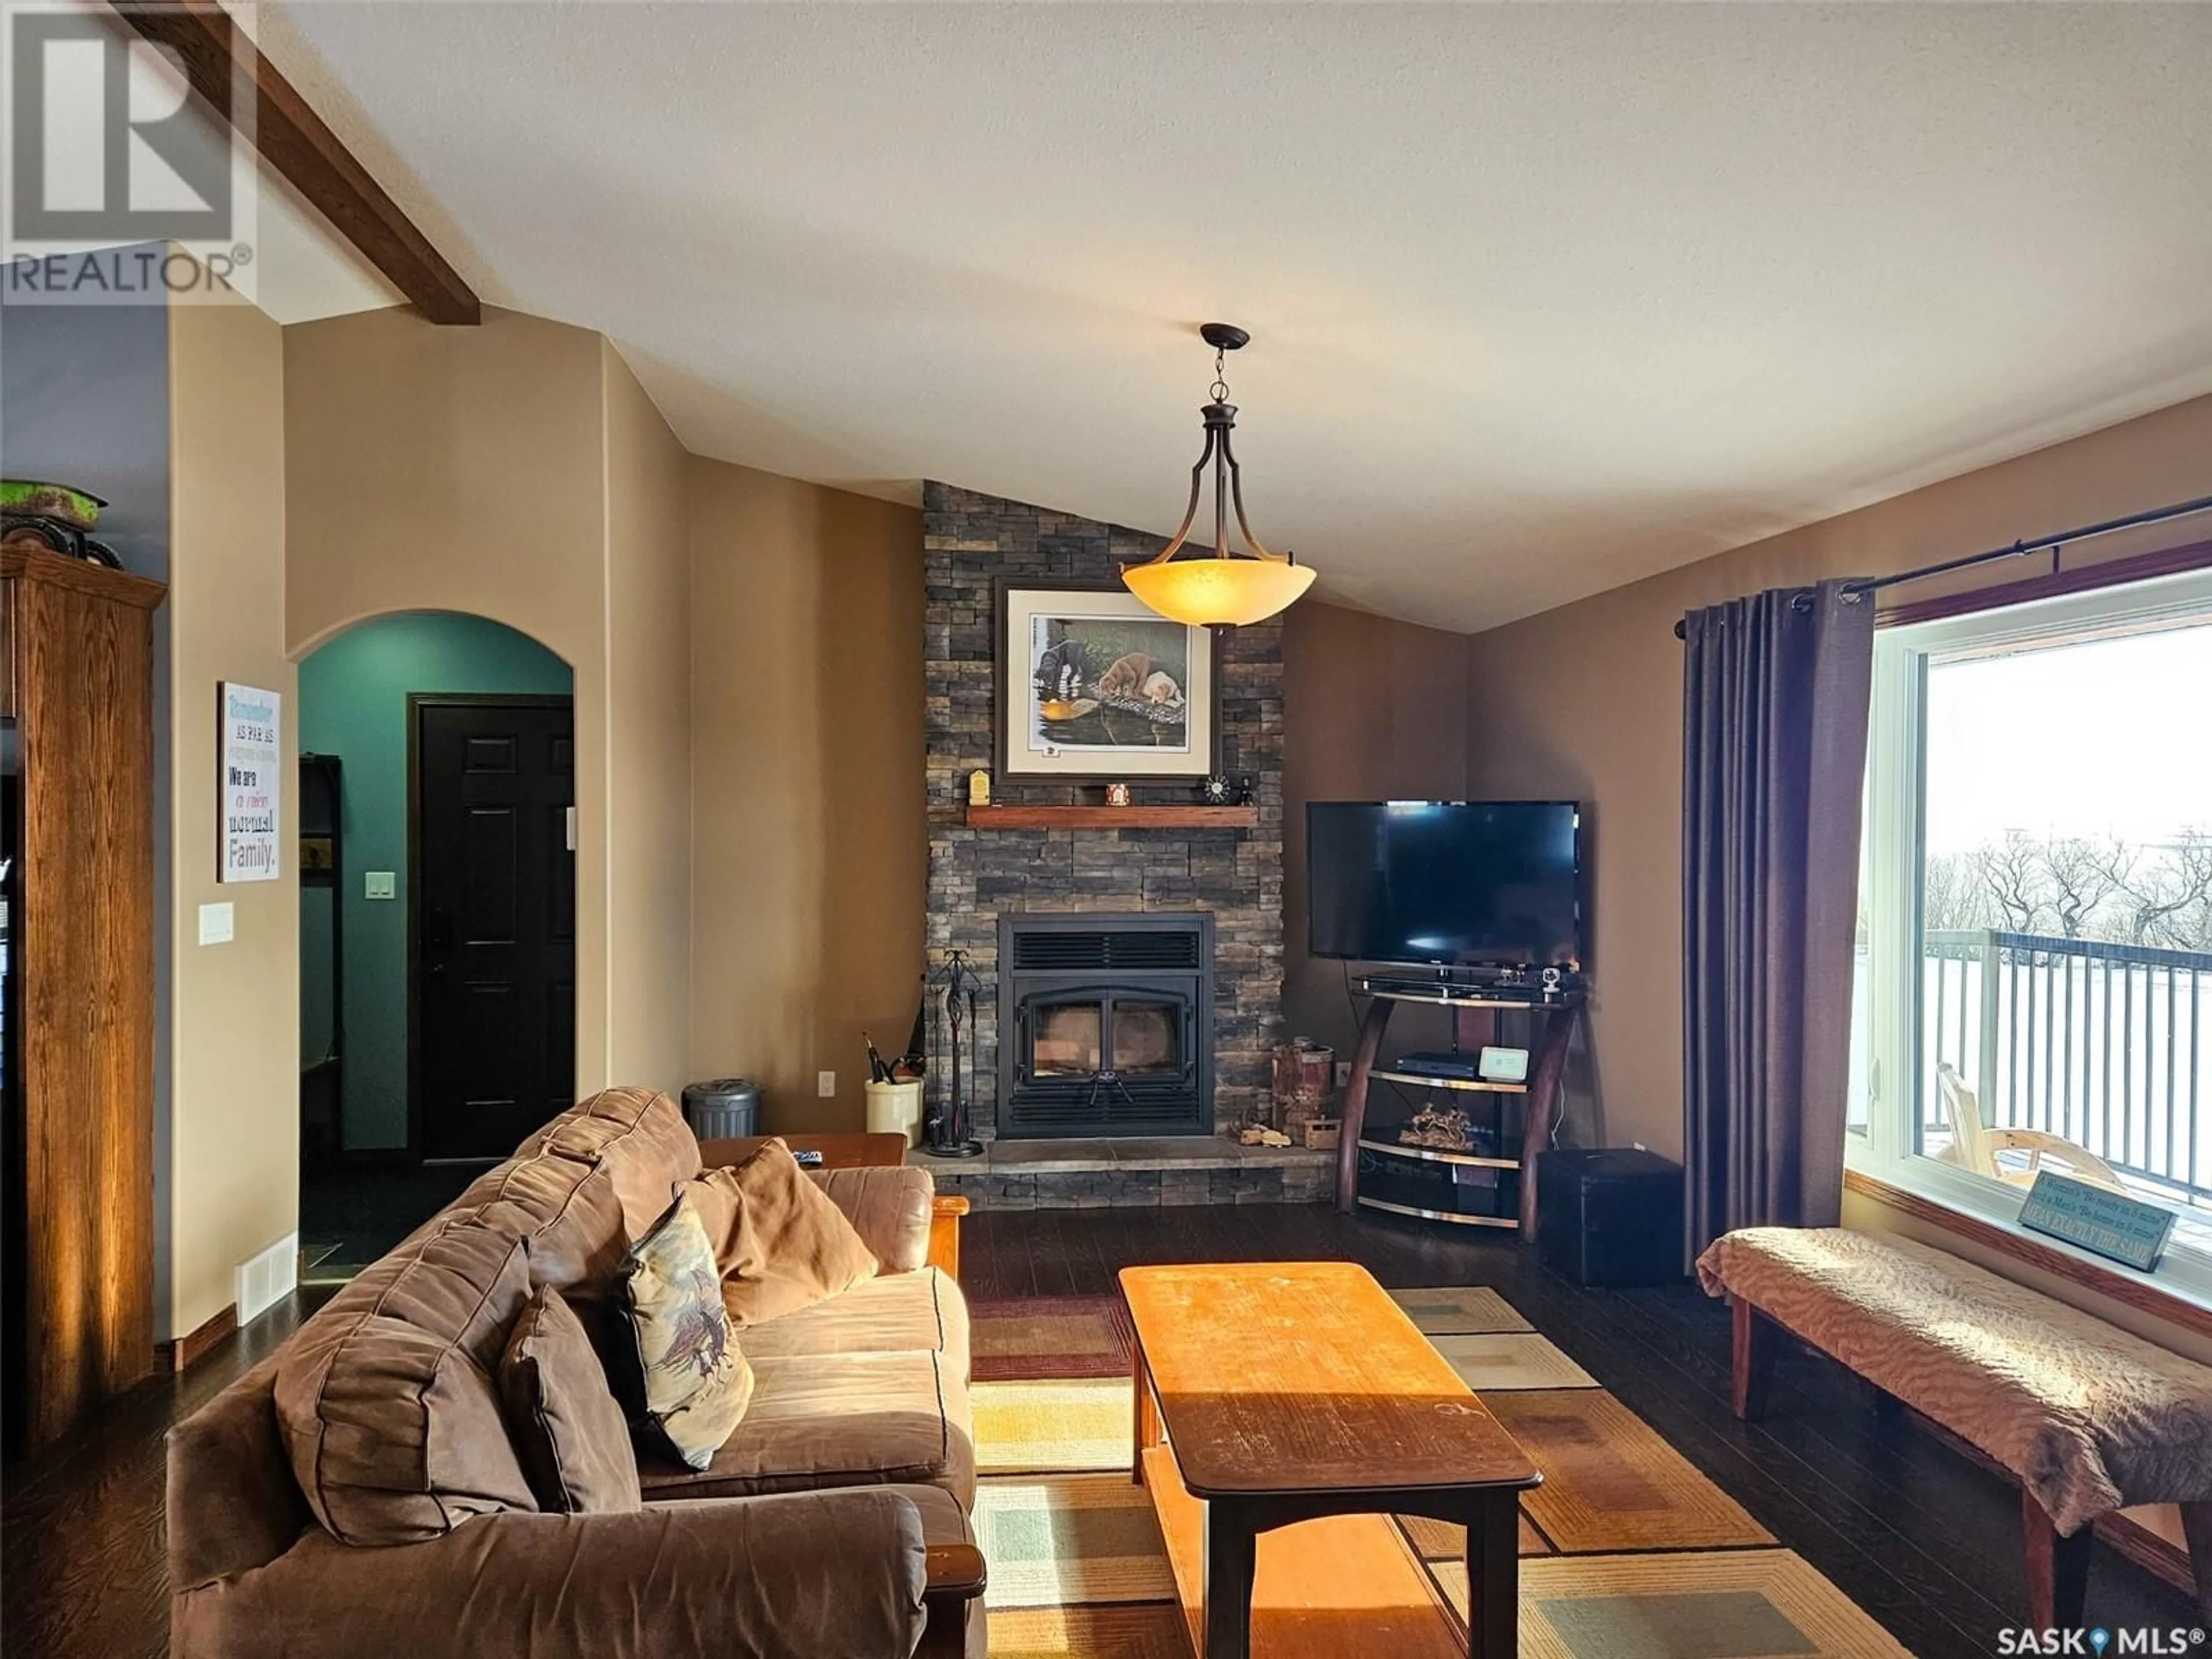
<point x="234" y="1082"/>
<point x="1586" y="702"/>
<point x="648" y="738"/>
<point x="808" y="855"/>
<point x="1372" y="710"/>
<point x="464" y="469"/>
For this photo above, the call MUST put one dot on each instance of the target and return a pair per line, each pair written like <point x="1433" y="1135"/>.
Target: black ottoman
<point x="1610" y="1215"/>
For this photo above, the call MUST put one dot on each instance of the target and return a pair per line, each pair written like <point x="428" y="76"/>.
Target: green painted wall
<point x="353" y="704"/>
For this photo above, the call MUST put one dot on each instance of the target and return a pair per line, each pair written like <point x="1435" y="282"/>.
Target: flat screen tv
<point x="1455" y="883"/>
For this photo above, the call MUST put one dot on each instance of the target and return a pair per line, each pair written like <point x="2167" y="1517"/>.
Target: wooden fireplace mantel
<point x="1113" y="818"/>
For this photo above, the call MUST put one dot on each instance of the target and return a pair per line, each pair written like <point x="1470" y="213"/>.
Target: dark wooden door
<point x="495" y="955"/>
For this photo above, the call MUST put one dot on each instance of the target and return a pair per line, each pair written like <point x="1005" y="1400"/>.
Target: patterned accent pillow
<point x="569" y="1431"/>
<point x="694" y="1383"/>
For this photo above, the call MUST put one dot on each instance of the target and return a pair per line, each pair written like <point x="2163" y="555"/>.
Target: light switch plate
<point x="378" y="884"/>
<point x="825" y="1084"/>
<point x="218" y="923"/>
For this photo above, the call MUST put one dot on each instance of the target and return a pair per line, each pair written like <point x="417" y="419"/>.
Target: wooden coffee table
<point x="1291" y="1391"/>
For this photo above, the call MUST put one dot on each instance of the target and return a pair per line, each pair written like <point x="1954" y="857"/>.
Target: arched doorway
<point x="437" y="925"/>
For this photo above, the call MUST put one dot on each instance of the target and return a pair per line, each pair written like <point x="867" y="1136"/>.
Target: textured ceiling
<point x="301" y="268"/>
<point x="1545" y="298"/>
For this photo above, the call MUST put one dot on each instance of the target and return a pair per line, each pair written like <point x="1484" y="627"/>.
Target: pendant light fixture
<point x="1222" y="588"/>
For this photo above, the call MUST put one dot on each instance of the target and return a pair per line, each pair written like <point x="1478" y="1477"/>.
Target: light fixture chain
<point x="1219" y="389"/>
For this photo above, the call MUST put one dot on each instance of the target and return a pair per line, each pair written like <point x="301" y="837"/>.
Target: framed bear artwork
<point x="1092" y="685"/>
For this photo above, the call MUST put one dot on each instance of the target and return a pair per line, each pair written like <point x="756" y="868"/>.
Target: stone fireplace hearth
<point x="1233" y="878"/>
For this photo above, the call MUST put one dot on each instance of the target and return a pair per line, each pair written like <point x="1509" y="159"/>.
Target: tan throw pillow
<point x="569" y="1431"/>
<point x="780" y="1240"/>
<point x="694" y="1380"/>
<point x="386" y="1399"/>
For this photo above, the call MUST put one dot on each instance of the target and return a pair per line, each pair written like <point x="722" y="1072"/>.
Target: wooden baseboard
<point x="180" y="1354"/>
<point x="2158" y="1556"/>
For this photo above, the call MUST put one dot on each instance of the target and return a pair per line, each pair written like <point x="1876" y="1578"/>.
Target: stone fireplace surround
<point x="970" y="542"/>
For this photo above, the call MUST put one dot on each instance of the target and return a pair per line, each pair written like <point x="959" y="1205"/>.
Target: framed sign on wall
<point x="1094" y="685"/>
<point x="249" y="751"/>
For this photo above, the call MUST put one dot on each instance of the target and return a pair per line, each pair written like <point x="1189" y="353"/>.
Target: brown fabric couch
<point x="833" y="1523"/>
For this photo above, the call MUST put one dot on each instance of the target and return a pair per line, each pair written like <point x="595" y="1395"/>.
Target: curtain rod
<point x="2053" y="544"/>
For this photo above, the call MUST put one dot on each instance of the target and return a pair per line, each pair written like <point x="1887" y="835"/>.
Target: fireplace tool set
<point x="951" y="996"/>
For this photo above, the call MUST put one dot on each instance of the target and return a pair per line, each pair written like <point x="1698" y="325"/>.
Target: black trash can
<point x="728" y="1106"/>
<point x="1610" y="1216"/>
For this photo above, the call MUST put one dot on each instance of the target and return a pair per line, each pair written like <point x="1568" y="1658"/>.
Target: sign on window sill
<point x="2112" y="1224"/>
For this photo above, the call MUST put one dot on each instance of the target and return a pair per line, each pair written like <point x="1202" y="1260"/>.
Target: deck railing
<point x="2104" y="1044"/>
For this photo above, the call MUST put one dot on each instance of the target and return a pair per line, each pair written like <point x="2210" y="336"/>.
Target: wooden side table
<point x="839" y="1152"/>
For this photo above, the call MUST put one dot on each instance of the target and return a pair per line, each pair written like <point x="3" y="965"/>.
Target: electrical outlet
<point x="1343" y="1072"/>
<point x="825" y="1084"/>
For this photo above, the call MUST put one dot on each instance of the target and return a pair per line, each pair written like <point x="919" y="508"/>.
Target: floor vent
<point x="267" y="1277"/>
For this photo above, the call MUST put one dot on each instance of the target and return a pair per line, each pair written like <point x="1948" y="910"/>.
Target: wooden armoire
<point x="77" y="1016"/>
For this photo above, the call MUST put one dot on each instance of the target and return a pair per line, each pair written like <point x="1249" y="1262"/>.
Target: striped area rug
<point x="1051" y="1337"/>
<point x="1733" y="1604"/>
<point x="1628" y="1551"/>
<point x="1054" y="1427"/>
<point x="1064" y="1539"/>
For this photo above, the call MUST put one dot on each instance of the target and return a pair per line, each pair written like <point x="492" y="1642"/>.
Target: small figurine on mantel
<point x="979" y="787"/>
<point x="1439" y="1128"/>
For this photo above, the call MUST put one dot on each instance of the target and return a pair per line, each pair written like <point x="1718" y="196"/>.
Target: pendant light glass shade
<point x="1213" y="592"/>
<point x="1224" y="589"/>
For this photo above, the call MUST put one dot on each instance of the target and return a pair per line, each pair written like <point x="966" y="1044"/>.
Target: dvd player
<point x="1463" y="1068"/>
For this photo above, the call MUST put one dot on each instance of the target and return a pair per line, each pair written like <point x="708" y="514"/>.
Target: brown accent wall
<point x="809" y="839"/>
<point x="1373" y="709"/>
<point x="648" y="741"/>
<point x="234" y="1179"/>
<point x="1585" y="702"/>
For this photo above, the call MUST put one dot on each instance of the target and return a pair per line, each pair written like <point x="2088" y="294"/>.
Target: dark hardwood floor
<point x="1922" y="1539"/>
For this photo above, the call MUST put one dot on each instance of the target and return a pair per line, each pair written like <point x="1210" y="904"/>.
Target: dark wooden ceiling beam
<point x="294" y="140"/>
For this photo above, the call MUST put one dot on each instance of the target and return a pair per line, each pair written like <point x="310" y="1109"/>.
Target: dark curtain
<point x="1774" y="734"/>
